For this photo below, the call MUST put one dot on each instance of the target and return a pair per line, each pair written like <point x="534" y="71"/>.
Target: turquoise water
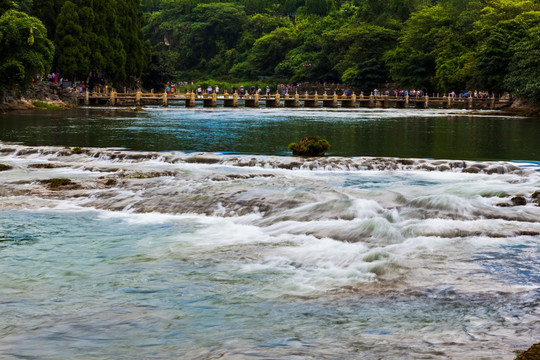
<point x="181" y="245"/>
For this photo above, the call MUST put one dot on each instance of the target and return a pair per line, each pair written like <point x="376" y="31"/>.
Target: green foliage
<point x="269" y="50"/>
<point x="523" y="77"/>
<point x="24" y="50"/>
<point x="310" y="146"/>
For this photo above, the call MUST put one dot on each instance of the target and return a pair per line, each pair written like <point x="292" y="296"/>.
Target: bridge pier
<point x="349" y="102"/>
<point x="230" y="102"/>
<point x="112" y="98"/>
<point x="312" y="103"/>
<point x="252" y="101"/>
<point x="138" y="96"/>
<point x="190" y="101"/>
<point x="330" y="103"/>
<point x="294" y="102"/>
<point x="275" y="102"/>
<point x="211" y="101"/>
<point x="371" y="101"/>
<point x="165" y="99"/>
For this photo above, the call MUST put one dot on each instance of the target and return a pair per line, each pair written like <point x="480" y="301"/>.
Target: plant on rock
<point x="310" y="146"/>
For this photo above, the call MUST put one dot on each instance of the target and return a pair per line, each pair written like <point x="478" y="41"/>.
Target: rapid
<point x="175" y="253"/>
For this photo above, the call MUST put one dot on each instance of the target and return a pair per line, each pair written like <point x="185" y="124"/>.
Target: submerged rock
<point x="60" y="183"/>
<point x="519" y="201"/>
<point x="4" y="167"/>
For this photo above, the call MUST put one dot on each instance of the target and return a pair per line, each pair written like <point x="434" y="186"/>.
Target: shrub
<point x="310" y="146"/>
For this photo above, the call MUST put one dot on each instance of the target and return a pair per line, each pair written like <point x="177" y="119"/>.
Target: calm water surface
<point x="193" y="234"/>
<point x="401" y="133"/>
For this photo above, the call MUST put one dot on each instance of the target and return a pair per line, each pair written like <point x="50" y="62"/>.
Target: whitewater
<point x="207" y="255"/>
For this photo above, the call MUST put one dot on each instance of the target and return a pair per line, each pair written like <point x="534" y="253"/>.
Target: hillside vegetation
<point x="434" y="45"/>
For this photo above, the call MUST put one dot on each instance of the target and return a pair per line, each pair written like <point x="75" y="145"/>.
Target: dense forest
<point x="434" y="45"/>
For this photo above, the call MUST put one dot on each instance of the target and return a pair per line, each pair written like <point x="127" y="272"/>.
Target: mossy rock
<point x="44" y="105"/>
<point x="4" y="167"/>
<point x="77" y="150"/>
<point x="42" y="166"/>
<point x="310" y="146"/>
<point x="56" y="183"/>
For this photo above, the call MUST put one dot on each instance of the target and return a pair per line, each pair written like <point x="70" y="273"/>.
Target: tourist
<point x="217" y="89"/>
<point x="209" y="90"/>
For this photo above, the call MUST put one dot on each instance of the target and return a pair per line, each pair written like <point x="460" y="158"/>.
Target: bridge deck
<point x="297" y="100"/>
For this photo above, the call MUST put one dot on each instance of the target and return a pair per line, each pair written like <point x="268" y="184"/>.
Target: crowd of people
<point x="420" y="93"/>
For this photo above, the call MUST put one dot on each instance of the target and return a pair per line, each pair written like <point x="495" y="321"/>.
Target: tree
<point x="25" y="50"/>
<point x="73" y="57"/>
<point x="269" y="50"/>
<point x="412" y="63"/>
<point x="524" y="75"/>
<point x="47" y="11"/>
<point x="137" y="52"/>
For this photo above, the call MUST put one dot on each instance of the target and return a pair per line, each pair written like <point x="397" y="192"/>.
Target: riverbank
<point x="39" y="95"/>
<point x="522" y="107"/>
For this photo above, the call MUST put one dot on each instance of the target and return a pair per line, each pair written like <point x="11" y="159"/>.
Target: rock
<point x="60" y="183"/>
<point x="110" y="182"/>
<point x="533" y="353"/>
<point x="471" y="170"/>
<point x="518" y="201"/>
<point x="4" y="167"/>
<point x="50" y="93"/>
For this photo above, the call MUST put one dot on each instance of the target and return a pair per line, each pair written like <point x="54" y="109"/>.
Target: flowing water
<point x="194" y="234"/>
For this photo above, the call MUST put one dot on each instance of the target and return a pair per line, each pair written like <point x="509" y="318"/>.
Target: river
<point x="193" y="233"/>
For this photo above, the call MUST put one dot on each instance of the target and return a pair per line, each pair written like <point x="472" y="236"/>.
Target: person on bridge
<point x="217" y="89"/>
<point x="209" y="90"/>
